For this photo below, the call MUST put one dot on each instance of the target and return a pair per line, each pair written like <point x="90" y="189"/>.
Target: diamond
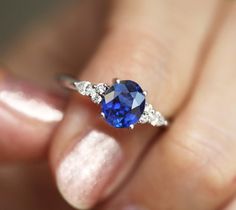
<point x="123" y="104"/>
<point x="86" y="88"/>
<point x="82" y="87"/>
<point x="96" y="98"/>
<point x="101" y="88"/>
<point x="158" y="120"/>
<point x="151" y="116"/>
<point x="155" y="119"/>
<point x="144" y="118"/>
<point x="89" y="90"/>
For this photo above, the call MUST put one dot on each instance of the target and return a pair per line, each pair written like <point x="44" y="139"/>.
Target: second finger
<point x="193" y="165"/>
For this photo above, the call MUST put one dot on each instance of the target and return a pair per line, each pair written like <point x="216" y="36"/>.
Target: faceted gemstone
<point x="123" y="104"/>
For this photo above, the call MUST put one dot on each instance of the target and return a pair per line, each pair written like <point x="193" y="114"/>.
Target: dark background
<point x="16" y="15"/>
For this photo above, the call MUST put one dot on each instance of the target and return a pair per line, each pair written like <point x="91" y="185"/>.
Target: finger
<point x="230" y="206"/>
<point x="28" y="116"/>
<point x="193" y="165"/>
<point x="29" y="185"/>
<point x="89" y="161"/>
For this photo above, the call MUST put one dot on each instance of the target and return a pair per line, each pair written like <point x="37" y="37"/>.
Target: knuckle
<point x="137" y="48"/>
<point x="140" y="51"/>
<point x="145" y="57"/>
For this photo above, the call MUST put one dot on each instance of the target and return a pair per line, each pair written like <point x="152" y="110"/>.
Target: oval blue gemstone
<point x="123" y="104"/>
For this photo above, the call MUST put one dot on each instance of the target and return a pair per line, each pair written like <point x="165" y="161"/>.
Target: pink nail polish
<point x="86" y="171"/>
<point x="29" y="101"/>
<point x="28" y="117"/>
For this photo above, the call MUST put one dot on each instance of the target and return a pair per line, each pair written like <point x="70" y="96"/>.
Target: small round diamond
<point x="82" y="87"/>
<point x="89" y="90"/>
<point x="158" y="119"/>
<point x="144" y="118"/>
<point x="123" y="104"/>
<point x="101" y="88"/>
<point x="96" y="98"/>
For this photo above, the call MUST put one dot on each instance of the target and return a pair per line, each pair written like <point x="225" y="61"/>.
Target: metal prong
<point x="116" y="80"/>
<point x="145" y="93"/>
<point x="103" y="115"/>
<point x="131" y="126"/>
<point x="166" y="123"/>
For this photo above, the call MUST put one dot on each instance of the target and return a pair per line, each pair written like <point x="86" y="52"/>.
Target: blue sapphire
<point x="123" y="104"/>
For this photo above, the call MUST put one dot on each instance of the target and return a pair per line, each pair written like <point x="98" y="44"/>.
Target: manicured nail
<point x="28" y="117"/>
<point x="88" y="169"/>
<point x="27" y="100"/>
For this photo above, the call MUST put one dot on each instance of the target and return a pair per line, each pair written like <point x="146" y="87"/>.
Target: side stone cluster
<point x="94" y="91"/>
<point x="97" y="91"/>
<point x="150" y="115"/>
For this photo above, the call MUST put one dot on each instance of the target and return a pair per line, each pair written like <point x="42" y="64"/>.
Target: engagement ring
<point x="123" y="104"/>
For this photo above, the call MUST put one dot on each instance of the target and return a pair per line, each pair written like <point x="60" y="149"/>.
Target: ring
<point x="123" y="103"/>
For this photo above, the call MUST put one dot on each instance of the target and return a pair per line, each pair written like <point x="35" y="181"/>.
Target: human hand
<point x="182" y="53"/>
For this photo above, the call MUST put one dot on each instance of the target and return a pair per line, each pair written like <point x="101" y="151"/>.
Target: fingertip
<point x="86" y="171"/>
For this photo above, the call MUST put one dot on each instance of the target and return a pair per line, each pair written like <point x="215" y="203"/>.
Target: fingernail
<point x="88" y="169"/>
<point x="28" y="117"/>
<point x="27" y="100"/>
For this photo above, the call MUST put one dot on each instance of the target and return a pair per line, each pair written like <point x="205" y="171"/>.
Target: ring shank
<point x="67" y="81"/>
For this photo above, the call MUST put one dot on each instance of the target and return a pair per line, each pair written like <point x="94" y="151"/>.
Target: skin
<point x="183" y="54"/>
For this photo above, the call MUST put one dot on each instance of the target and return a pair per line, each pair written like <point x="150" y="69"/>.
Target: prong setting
<point x="103" y="115"/>
<point x="145" y="93"/>
<point x="166" y="123"/>
<point x="131" y="126"/>
<point x="117" y="81"/>
<point x="150" y="115"/>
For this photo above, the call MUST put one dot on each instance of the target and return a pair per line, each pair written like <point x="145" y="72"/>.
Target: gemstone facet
<point x="123" y="104"/>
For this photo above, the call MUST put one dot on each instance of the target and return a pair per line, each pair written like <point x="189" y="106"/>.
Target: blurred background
<point x="38" y="39"/>
<point x="48" y="35"/>
<point x="16" y="16"/>
<point x="18" y="19"/>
